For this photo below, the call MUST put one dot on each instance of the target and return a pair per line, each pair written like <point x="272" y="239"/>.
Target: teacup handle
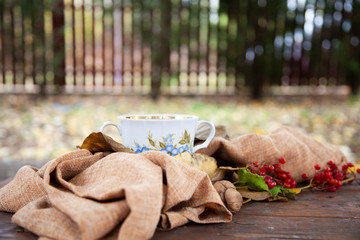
<point x="108" y="123"/>
<point x="209" y="138"/>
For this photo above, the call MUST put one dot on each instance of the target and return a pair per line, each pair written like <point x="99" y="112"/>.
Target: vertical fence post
<point x="353" y="58"/>
<point x="59" y="45"/>
<point x="160" y="47"/>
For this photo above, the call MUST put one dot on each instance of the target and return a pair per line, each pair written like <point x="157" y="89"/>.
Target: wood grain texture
<point x="315" y="215"/>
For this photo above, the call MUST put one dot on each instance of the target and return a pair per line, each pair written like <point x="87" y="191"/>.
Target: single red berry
<point x="304" y="176"/>
<point x="358" y="170"/>
<point x="328" y="174"/>
<point x="271" y="168"/>
<point x="339" y="184"/>
<point x="350" y="165"/>
<point x="317" y="167"/>
<point x="271" y="184"/>
<point x="287" y="180"/>
<point x="330" y="163"/>
<point x="276" y="165"/>
<point x="256" y="164"/>
<point x="282" y="175"/>
<point x="333" y="182"/>
<point x="261" y="173"/>
<point x="262" y="170"/>
<point x="282" y="161"/>
<point x="287" y="185"/>
<point x="334" y="167"/>
<point x="288" y="174"/>
<point x="331" y="189"/>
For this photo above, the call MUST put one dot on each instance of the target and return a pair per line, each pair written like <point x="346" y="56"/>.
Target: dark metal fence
<point x="177" y="46"/>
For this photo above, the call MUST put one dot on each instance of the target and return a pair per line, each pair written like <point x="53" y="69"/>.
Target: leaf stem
<point x="305" y="187"/>
<point x="248" y="200"/>
<point x="348" y="179"/>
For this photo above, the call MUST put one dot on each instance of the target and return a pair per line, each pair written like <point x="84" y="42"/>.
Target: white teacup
<point x="170" y="133"/>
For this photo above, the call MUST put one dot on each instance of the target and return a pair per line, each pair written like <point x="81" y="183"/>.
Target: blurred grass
<point x="39" y="130"/>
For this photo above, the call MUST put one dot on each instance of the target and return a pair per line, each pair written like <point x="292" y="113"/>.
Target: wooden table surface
<point x="315" y="215"/>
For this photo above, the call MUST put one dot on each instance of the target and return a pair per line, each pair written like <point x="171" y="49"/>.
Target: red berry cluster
<point x="274" y="175"/>
<point x="331" y="178"/>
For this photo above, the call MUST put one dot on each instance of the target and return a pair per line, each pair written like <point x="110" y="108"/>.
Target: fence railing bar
<point x="295" y="73"/>
<point x="269" y="57"/>
<point x="141" y="44"/>
<point x="198" y="43"/>
<point x="240" y="34"/>
<point x="188" y="33"/>
<point x="93" y="41"/>
<point x="122" y="44"/>
<point x="59" y="48"/>
<point x="218" y="49"/>
<point x="73" y="42"/>
<point x="112" y="25"/>
<point x="83" y="42"/>
<point x="166" y="20"/>
<point x="132" y="44"/>
<point x="103" y="42"/>
<point x="179" y="42"/>
<point x="208" y="46"/>
<point x="22" y="14"/>
<point x="13" y="47"/>
<point x="280" y="22"/>
<point x="229" y="58"/>
<point x="43" y="49"/>
<point x="33" y="43"/>
<point x="2" y="39"/>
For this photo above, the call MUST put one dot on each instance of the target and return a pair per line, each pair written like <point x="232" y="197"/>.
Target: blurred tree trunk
<point x="59" y="45"/>
<point x="160" y="45"/>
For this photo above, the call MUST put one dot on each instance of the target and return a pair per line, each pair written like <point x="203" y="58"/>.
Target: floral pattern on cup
<point x="167" y="145"/>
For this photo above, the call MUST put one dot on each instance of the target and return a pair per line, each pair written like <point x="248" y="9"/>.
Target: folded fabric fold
<point x="301" y="151"/>
<point x="81" y="195"/>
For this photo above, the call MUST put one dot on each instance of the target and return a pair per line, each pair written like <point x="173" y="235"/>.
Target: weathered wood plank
<point x="315" y="215"/>
<point x="8" y="230"/>
<point x="267" y="227"/>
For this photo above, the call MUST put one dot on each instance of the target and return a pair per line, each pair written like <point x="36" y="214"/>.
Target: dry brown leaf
<point x="229" y="168"/>
<point x="256" y="196"/>
<point x="222" y="173"/>
<point x="218" y="175"/>
<point x="99" y="142"/>
<point x="278" y="198"/>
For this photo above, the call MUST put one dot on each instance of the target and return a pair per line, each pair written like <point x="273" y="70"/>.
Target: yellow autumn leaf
<point x="353" y="169"/>
<point x="296" y="190"/>
<point x="199" y="161"/>
<point x="259" y="131"/>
